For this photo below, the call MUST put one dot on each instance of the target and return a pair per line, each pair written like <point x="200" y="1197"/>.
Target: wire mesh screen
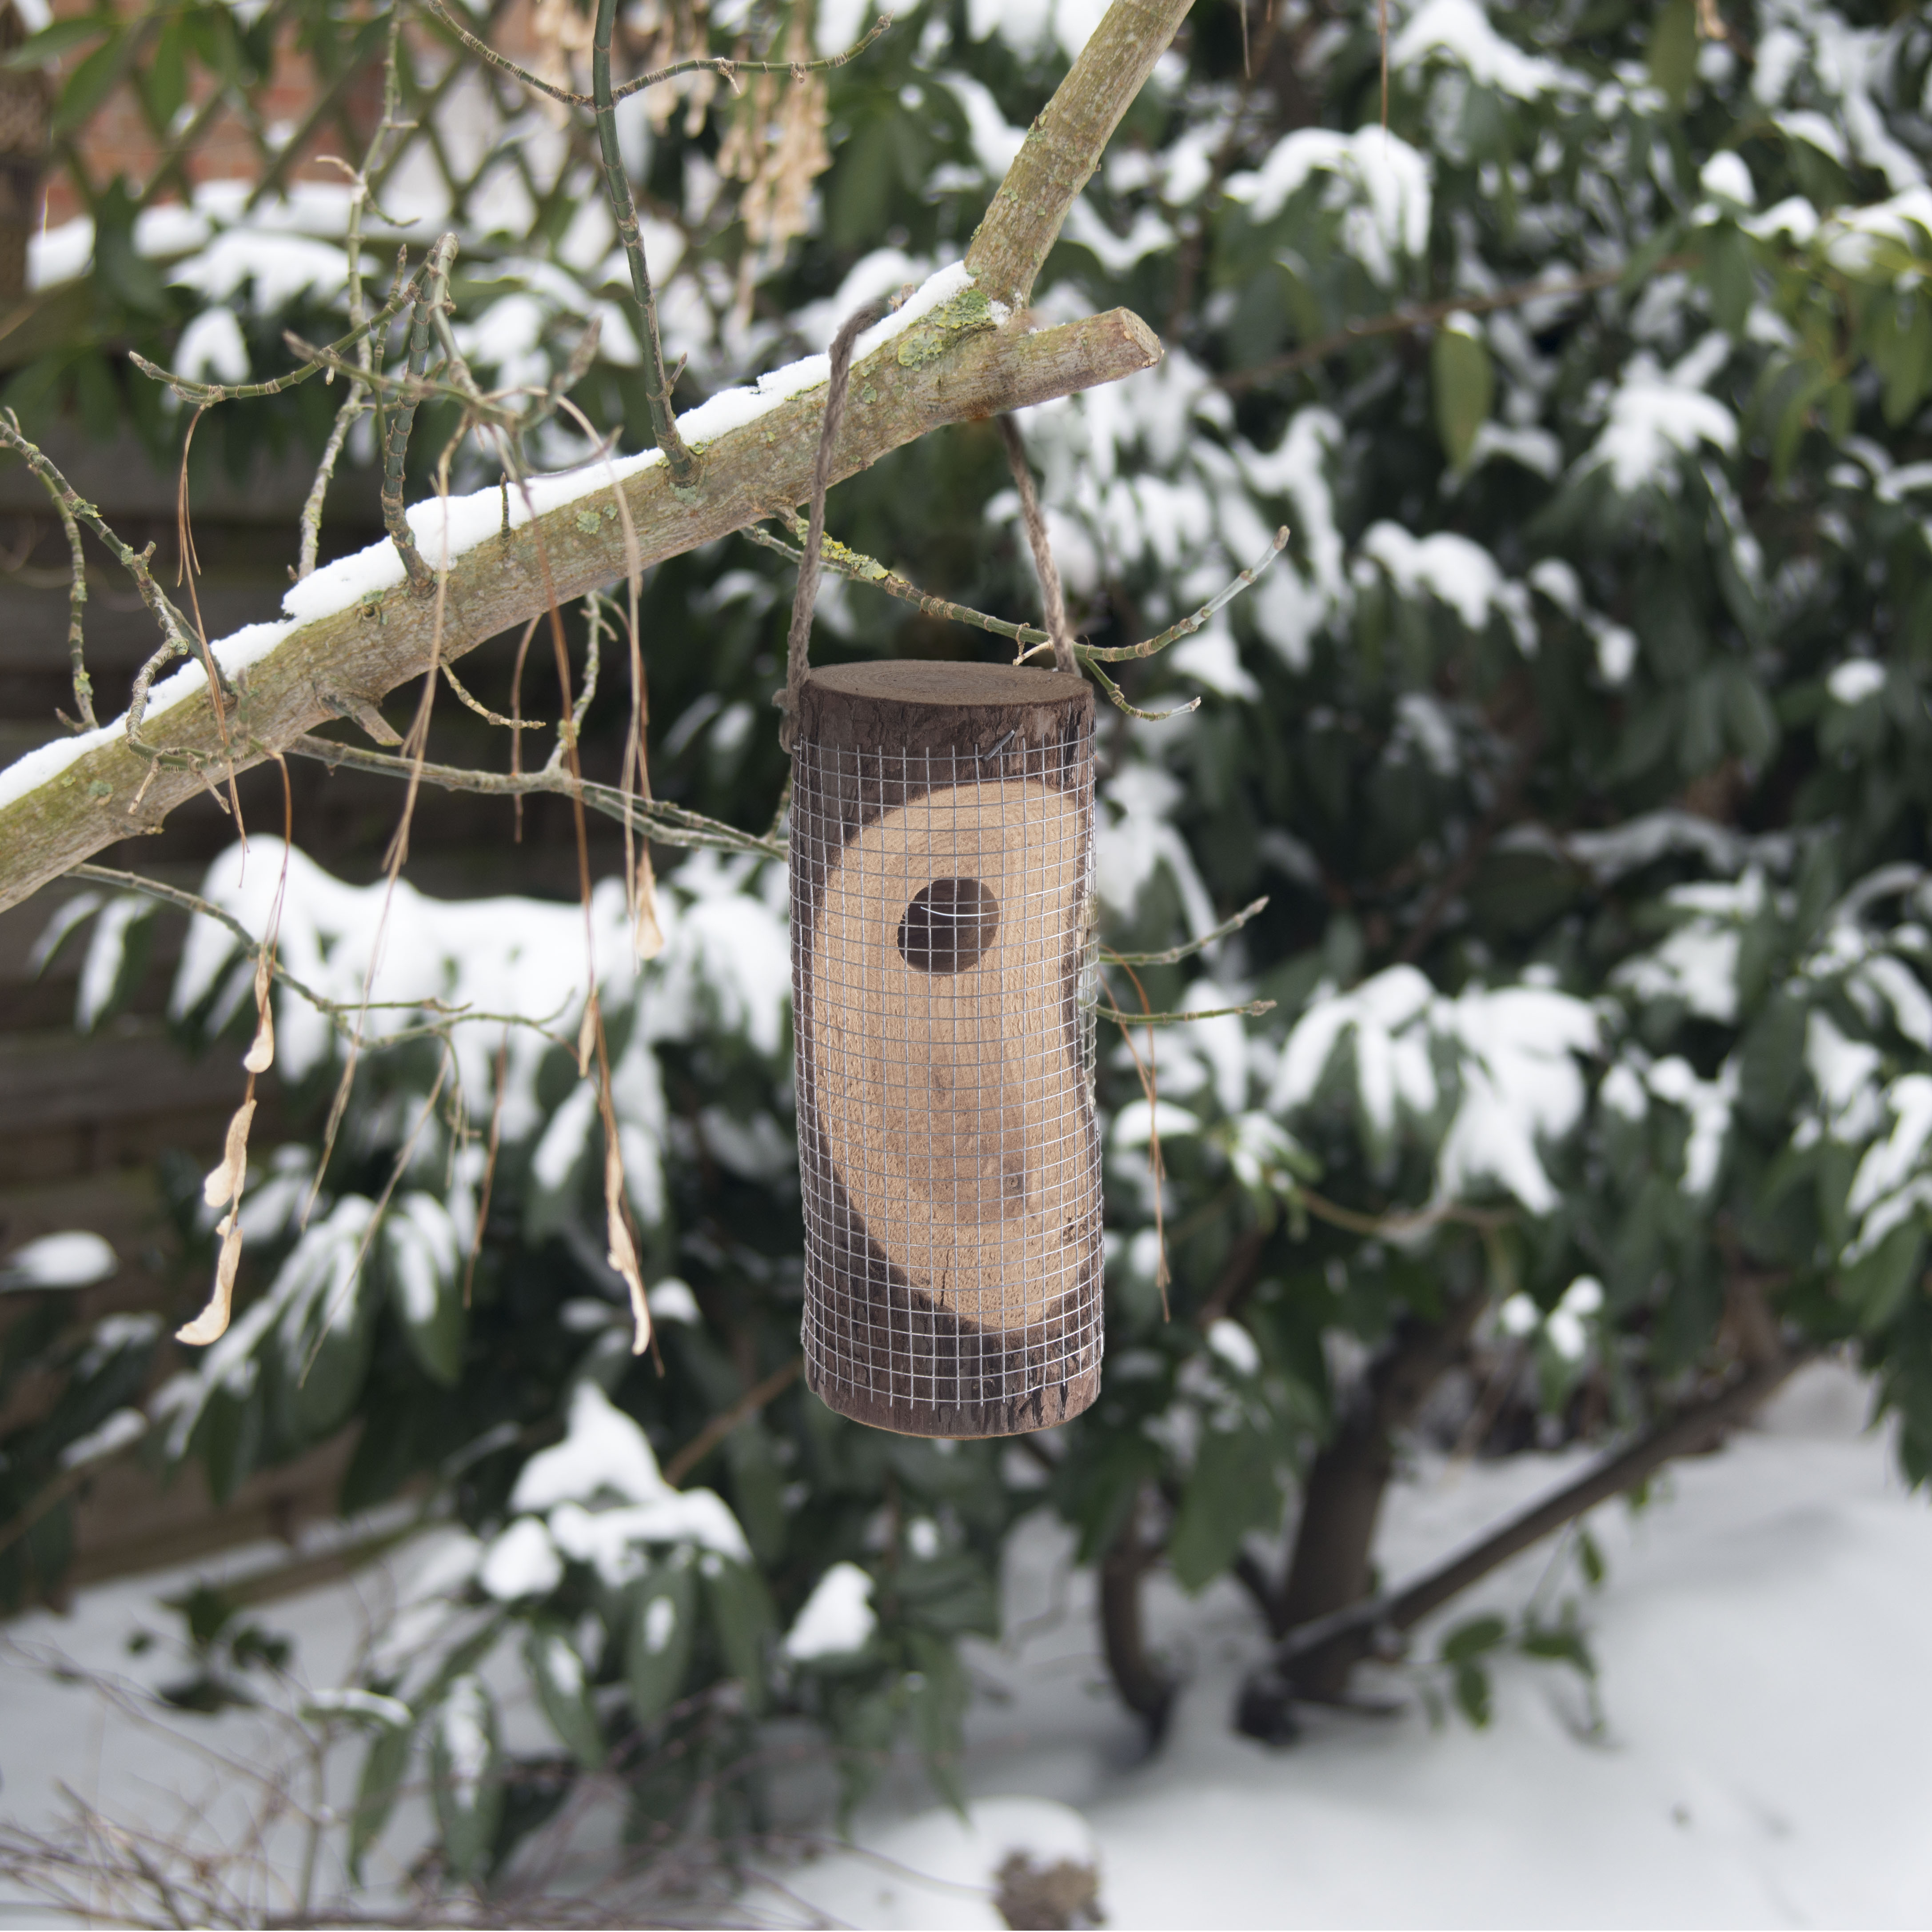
<point x="949" y="1149"/>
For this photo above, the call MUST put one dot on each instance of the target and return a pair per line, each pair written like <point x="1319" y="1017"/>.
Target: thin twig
<point x="1252" y="1010"/>
<point x="77" y="598"/>
<point x="678" y="458"/>
<point x="334" y="1011"/>
<point x="725" y="66"/>
<point x="353" y="405"/>
<point x="666" y="823"/>
<point x="860" y="568"/>
<point x="721" y="1424"/>
<point x="204" y="395"/>
<point x="174" y="626"/>
<point x="1092" y="654"/>
<point x="1174" y="954"/>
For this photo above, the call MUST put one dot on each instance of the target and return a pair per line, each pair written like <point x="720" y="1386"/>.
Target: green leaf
<point x="757" y="1489"/>
<point x="1876" y="1284"/>
<point x="1464" y="385"/>
<point x="1471" y="1685"/>
<point x="954" y="1593"/>
<point x="1900" y="343"/>
<point x="1590" y="1559"/>
<point x="1556" y="1643"/>
<point x="87" y="86"/>
<point x="166" y="77"/>
<point x="865" y="1727"/>
<point x="1231" y="1489"/>
<point x="940" y="1691"/>
<point x="62" y="38"/>
<point x="1750" y="723"/>
<point x="1673" y="56"/>
<point x="657" y="1653"/>
<point x="557" y="1672"/>
<point x="423" y="1261"/>
<point x="383" y="1771"/>
<point x="1472" y="1639"/>
<point x="1728" y="264"/>
<point x="742" y="1622"/>
<point x="466" y="1775"/>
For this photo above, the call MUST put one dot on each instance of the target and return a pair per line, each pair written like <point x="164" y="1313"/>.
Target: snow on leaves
<point x="1485" y="1078"/>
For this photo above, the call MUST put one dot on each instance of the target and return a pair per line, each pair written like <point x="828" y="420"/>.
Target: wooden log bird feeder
<point x="942" y="856"/>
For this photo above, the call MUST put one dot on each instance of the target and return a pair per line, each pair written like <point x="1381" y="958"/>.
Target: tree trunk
<point x="1145" y="1688"/>
<point x="1314" y="1660"/>
<point x="1334" y="1543"/>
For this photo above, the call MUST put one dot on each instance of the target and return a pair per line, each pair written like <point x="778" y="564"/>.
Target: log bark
<point x="355" y="658"/>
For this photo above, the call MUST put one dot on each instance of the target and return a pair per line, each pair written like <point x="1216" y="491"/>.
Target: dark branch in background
<point x="683" y="464"/>
<point x="1398" y="322"/>
<point x="1321" y="1652"/>
<point x="805" y="598"/>
<point x="1145" y="1687"/>
<point x="721" y="1424"/>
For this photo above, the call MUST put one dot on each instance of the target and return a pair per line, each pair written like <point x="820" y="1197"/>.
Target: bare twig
<point x="726" y="68"/>
<point x="683" y="464"/>
<point x="721" y="1424"/>
<point x="666" y="823"/>
<point x="1174" y="954"/>
<point x="1253" y="1010"/>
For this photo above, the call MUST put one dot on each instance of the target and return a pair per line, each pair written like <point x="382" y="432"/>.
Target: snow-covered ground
<point x="1767" y="1756"/>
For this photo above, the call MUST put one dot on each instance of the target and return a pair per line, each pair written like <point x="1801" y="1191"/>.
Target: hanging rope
<point x="1051" y="600"/>
<point x="806" y="596"/>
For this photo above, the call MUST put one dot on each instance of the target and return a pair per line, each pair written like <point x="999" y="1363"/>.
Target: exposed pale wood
<point x="941" y="824"/>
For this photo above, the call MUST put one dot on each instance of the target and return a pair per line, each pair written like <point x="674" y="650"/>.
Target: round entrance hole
<point x="949" y="926"/>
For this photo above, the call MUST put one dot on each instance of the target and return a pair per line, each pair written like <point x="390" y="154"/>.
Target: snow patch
<point x="838" y="1619"/>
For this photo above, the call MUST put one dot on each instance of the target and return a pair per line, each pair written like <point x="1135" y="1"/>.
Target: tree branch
<point x="1064" y="144"/>
<point x="360" y="654"/>
<point x="910" y="386"/>
<point x="1326" y="1644"/>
